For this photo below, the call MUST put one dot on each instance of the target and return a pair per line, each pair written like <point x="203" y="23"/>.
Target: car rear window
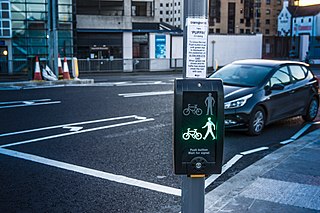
<point x="242" y="74"/>
<point x="297" y="72"/>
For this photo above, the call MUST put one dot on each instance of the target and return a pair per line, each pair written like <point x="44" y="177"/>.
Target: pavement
<point x="287" y="180"/>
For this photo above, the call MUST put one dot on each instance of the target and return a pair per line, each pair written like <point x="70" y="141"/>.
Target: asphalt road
<point x="98" y="149"/>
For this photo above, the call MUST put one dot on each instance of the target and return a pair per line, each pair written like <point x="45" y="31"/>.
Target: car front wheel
<point x="312" y="110"/>
<point x="257" y="121"/>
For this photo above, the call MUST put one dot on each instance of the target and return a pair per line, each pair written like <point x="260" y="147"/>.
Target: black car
<point x="258" y="92"/>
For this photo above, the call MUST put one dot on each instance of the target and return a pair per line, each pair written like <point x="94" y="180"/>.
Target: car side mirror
<point x="277" y="87"/>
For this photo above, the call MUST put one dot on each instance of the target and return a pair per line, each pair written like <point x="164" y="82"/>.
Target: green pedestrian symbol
<point x="210" y="127"/>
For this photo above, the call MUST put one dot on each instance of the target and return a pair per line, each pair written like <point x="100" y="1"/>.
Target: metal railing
<point x="129" y="65"/>
<point x="27" y="66"/>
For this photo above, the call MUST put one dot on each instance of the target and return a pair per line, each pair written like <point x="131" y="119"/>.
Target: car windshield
<point x="242" y="74"/>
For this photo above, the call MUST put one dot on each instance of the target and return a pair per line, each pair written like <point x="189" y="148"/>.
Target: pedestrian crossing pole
<point x="194" y="66"/>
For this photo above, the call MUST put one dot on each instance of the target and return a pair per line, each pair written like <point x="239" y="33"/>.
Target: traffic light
<point x="198" y="126"/>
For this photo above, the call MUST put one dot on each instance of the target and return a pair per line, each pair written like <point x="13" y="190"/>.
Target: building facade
<point x="301" y="24"/>
<point x="244" y="16"/>
<point x="30" y="32"/>
<point x="171" y="12"/>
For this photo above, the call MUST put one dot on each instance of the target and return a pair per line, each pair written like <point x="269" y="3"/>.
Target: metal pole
<point x="192" y="9"/>
<point x="49" y="34"/>
<point x="55" y="35"/>
<point x="192" y="187"/>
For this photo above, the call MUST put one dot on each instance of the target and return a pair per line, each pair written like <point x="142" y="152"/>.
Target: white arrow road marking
<point x="70" y="124"/>
<point x="28" y="102"/>
<point x="73" y="128"/>
<point x="18" y="102"/>
<point x="78" y="132"/>
<point x="92" y="172"/>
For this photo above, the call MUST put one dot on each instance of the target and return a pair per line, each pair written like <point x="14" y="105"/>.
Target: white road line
<point x="225" y="167"/>
<point x="143" y="84"/>
<point x="28" y="104"/>
<point x="129" y="95"/>
<point x="17" y="102"/>
<point x="298" y="134"/>
<point x="286" y="141"/>
<point x="72" y="124"/>
<point x="73" y="133"/>
<point x="92" y="172"/>
<point x="254" y="150"/>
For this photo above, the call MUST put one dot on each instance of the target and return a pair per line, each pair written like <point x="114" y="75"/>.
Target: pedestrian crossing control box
<point x="198" y="126"/>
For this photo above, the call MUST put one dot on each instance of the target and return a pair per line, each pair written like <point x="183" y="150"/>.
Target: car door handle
<point x="292" y="91"/>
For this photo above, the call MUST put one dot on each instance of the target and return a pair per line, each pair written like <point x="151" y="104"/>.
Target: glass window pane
<point x="18" y="25"/>
<point x="65" y="17"/>
<point x="282" y="76"/>
<point x="297" y="73"/>
<point x="37" y="16"/>
<point x="5" y="5"/>
<point x="18" y="15"/>
<point x="65" y="9"/>
<point x="36" y="7"/>
<point x="6" y="33"/>
<point x="5" y="24"/>
<point x="64" y="1"/>
<point x="18" y="7"/>
<point x="37" y="1"/>
<point x="5" y="14"/>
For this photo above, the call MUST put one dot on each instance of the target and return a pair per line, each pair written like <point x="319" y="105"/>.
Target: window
<point x="5" y="20"/>
<point x="267" y="31"/>
<point x="268" y="21"/>
<point x="281" y="76"/>
<point x="161" y="12"/>
<point x="268" y="2"/>
<point x="241" y="31"/>
<point x="268" y="11"/>
<point x="257" y="23"/>
<point x="309" y="19"/>
<point x="241" y="21"/>
<point x="161" y="5"/>
<point x="297" y="73"/>
<point x="217" y="30"/>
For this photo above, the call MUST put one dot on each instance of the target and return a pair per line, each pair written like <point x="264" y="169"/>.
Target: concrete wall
<point x="103" y="22"/>
<point x="127" y="51"/>
<point x="227" y="48"/>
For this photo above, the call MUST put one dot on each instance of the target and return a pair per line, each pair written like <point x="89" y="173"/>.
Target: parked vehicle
<point x="259" y="92"/>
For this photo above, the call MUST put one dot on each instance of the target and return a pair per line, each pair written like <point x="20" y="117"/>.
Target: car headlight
<point x="237" y="102"/>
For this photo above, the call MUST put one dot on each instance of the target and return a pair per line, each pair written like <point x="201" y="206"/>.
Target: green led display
<point x="198" y="126"/>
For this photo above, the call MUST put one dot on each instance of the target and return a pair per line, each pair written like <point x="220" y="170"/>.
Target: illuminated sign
<point x="198" y="126"/>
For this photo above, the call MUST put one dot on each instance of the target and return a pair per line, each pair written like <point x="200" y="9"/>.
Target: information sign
<point x="197" y="39"/>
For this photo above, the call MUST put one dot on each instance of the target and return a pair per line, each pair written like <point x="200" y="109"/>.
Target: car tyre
<point x="312" y="110"/>
<point x="257" y="121"/>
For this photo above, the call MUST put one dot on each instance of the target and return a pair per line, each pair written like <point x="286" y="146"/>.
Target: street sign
<point x="198" y="126"/>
